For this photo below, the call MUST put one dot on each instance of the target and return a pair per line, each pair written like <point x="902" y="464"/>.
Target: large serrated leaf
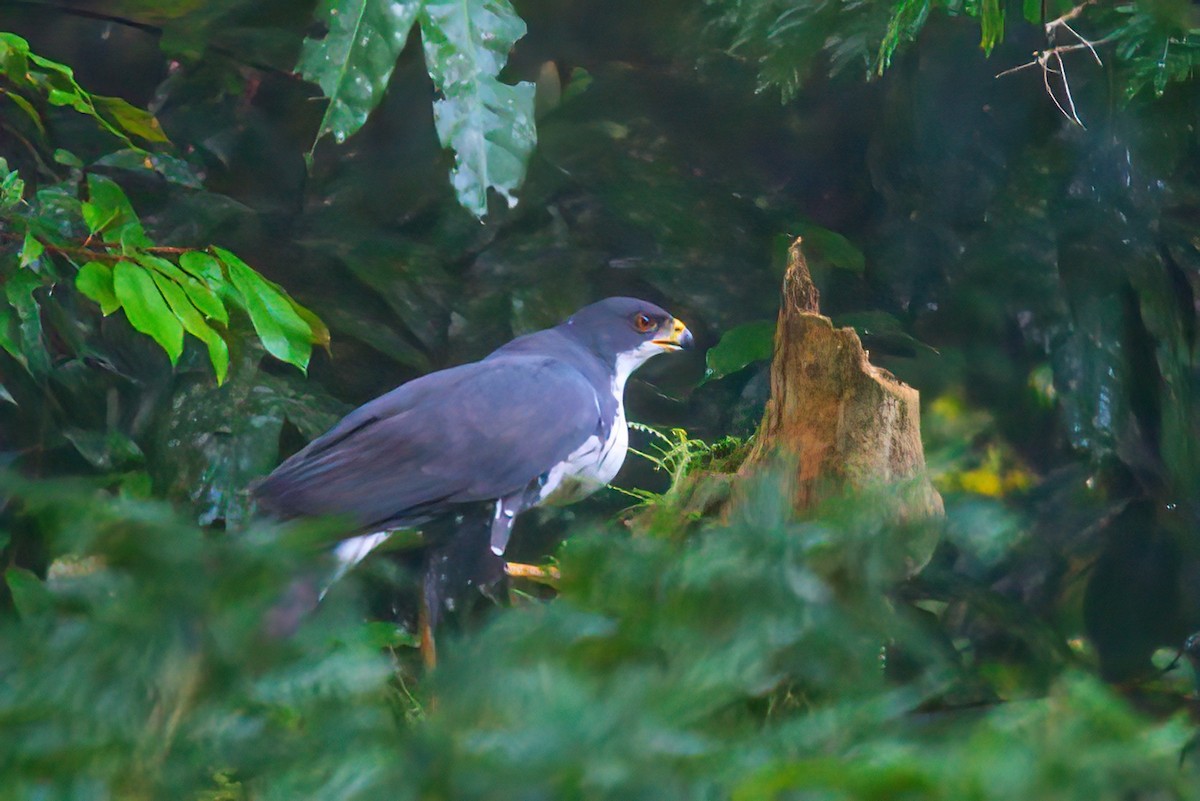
<point x="146" y="309"/>
<point x="488" y="124"/>
<point x="353" y="62"/>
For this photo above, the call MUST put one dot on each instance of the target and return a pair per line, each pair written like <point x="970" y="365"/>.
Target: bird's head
<point x="627" y="331"/>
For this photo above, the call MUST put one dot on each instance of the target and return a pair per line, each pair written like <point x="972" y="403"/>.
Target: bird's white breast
<point x="590" y="466"/>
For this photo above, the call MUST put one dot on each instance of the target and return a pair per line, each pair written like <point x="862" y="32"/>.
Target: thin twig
<point x="98" y="255"/>
<point x="1051" y="60"/>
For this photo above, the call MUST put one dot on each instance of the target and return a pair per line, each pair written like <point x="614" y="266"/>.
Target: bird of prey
<point x="540" y="420"/>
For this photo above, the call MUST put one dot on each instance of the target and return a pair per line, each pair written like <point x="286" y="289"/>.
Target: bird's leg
<point x="428" y="645"/>
<point x="428" y="614"/>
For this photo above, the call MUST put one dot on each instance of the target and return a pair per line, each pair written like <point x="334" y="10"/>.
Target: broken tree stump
<point x="835" y="425"/>
<point x="845" y="423"/>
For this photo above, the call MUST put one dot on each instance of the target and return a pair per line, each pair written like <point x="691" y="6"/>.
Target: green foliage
<point x="29" y="77"/>
<point x="488" y="124"/>
<point x="746" y="344"/>
<point x="689" y="654"/>
<point x="744" y="662"/>
<point x="1155" y="42"/>
<point x="124" y="269"/>
<point x="354" y="60"/>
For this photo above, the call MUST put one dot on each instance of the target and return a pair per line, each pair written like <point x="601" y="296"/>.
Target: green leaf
<point x="193" y="323"/>
<point x="67" y="158"/>
<point x="739" y="347"/>
<point x="907" y="20"/>
<point x="174" y="170"/>
<point x="207" y="284"/>
<point x="353" y="62"/>
<point x="30" y="347"/>
<point x="199" y="293"/>
<point x="1032" y="11"/>
<point x="108" y="212"/>
<point x="12" y="187"/>
<point x="991" y="21"/>
<point x="95" y="281"/>
<point x="8" y="338"/>
<point x="26" y="107"/>
<point x="215" y="440"/>
<point x="488" y="124"/>
<point x="146" y="309"/>
<point x="63" y="90"/>
<point x="832" y="247"/>
<point x="283" y="333"/>
<point x="31" y="249"/>
<point x="204" y="267"/>
<point x="29" y="593"/>
<point x="107" y="450"/>
<point x="883" y="332"/>
<point x="130" y="118"/>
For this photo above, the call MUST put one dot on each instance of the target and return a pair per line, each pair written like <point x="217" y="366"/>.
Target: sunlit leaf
<point x="198" y="291"/>
<point x="95" y="280"/>
<point x="130" y="118"/>
<point x="66" y="157"/>
<point x="991" y="22"/>
<point x="193" y="323"/>
<point x="282" y="331"/>
<point x="146" y="309"/>
<point x="203" y="266"/>
<point x="488" y="124"/>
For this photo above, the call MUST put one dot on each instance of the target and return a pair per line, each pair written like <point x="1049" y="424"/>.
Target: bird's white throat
<point x="631" y="360"/>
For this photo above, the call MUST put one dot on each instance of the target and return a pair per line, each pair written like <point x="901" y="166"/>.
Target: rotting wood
<point x="845" y="423"/>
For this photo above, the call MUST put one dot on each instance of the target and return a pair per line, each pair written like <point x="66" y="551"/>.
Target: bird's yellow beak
<point x="679" y="339"/>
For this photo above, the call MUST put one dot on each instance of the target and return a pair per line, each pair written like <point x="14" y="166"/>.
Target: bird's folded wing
<point x="471" y="433"/>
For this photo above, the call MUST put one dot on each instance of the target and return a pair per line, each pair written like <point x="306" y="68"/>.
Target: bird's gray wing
<point x="472" y="433"/>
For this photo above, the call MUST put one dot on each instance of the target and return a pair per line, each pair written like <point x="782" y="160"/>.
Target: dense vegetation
<point x="224" y="224"/>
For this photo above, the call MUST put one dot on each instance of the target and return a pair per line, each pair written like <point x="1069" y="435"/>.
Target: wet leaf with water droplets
<point x="488" y="124"/>
<point x="353" y="62"/>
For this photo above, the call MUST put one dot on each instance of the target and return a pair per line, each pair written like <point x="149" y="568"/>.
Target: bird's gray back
<point x="470" y="433"/>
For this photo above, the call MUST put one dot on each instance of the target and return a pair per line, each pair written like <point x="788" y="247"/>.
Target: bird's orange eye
<point x="643" y="323"/>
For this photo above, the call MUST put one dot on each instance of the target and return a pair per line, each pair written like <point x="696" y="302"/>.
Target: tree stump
<point x="844" y="423"/>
